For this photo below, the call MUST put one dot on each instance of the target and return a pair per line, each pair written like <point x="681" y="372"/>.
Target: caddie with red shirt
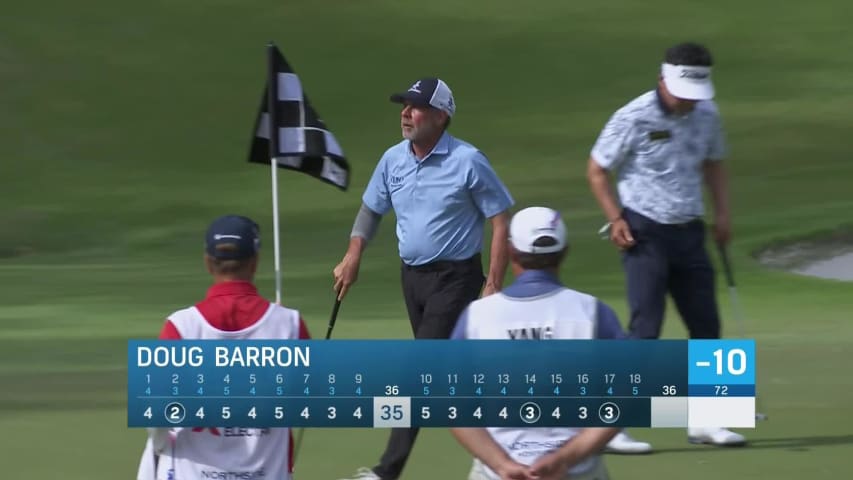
<point x="232" y="310"/>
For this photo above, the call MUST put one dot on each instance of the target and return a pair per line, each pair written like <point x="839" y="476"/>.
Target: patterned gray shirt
<point x="658" y="156"/>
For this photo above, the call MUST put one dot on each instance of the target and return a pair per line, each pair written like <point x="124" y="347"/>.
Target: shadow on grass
<point x="801" y="444"/>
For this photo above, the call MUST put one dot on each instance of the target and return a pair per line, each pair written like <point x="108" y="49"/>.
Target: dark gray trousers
<point x="435" y="294"/>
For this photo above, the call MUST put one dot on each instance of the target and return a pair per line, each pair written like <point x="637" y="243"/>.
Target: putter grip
<point x="727" y="266"/>
<point x="333" y="318"/>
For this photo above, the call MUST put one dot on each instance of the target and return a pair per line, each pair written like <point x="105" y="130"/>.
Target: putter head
<point x="761" y="417"/>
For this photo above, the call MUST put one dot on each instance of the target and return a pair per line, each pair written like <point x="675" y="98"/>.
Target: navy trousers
<point x="669" y="259"/>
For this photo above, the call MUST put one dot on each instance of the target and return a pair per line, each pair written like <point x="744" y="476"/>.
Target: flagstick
<point x="272" y="101"/>
<point x="276" y="230"/>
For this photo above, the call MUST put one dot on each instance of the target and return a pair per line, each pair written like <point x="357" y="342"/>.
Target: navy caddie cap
<point x="232" y="237"/>
<point x="428" y="92"/>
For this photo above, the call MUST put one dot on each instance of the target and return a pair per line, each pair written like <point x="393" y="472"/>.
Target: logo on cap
<point x="694" y="75"/>
<point x="416" y="87"/>
<point x="552" y="225"/>
<point x="232" y="237"/>
<point x="555" y="220"/>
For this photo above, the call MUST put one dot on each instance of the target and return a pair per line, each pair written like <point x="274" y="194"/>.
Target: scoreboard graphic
<point x="441" y="383"/>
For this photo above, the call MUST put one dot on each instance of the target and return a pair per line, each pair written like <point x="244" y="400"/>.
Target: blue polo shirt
<point x="441" y="202"/>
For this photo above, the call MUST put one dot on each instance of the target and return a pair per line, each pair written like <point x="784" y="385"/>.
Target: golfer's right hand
<point x="551" y="466"/>
<point x="514" y="471"/>
<point x="346" y="273"/>
<point x="620" y="234"/>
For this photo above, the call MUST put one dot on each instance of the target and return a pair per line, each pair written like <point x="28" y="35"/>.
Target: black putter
<point x="332" y="320"/>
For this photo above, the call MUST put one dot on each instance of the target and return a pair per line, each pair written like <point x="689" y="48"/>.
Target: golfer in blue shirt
<point x="442" y="191"/>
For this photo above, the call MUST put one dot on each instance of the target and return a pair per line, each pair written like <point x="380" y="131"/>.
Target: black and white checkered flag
<point x="288" y="129"/>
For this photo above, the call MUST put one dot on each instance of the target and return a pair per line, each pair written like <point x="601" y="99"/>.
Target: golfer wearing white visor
<point x="661" y="148"/>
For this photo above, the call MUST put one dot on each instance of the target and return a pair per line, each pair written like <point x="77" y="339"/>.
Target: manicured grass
<point x="125" y="128"/>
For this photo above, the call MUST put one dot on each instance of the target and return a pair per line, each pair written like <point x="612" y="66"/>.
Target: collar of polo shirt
<point x="442" y="147"/>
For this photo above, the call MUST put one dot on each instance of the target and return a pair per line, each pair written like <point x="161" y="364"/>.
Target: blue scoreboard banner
<point x="441" y="383"/>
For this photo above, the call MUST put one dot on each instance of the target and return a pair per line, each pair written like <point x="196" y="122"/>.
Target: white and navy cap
<point x="534" y="223"/>
<point x="428" y="92"/>
<point x="689" y="82"/>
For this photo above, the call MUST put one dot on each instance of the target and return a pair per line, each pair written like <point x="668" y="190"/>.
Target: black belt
<point x="442" y="265"/>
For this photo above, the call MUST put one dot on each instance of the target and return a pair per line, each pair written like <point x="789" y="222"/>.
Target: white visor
<point x="688" y="82"/>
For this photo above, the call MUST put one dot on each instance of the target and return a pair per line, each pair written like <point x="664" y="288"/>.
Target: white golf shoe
<point x="623" y="443"/>
<point x="715" y="436"/>
<point x="363" y="473"/>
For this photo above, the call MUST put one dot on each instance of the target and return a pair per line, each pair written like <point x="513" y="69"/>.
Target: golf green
<point x="124" y="130"/>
